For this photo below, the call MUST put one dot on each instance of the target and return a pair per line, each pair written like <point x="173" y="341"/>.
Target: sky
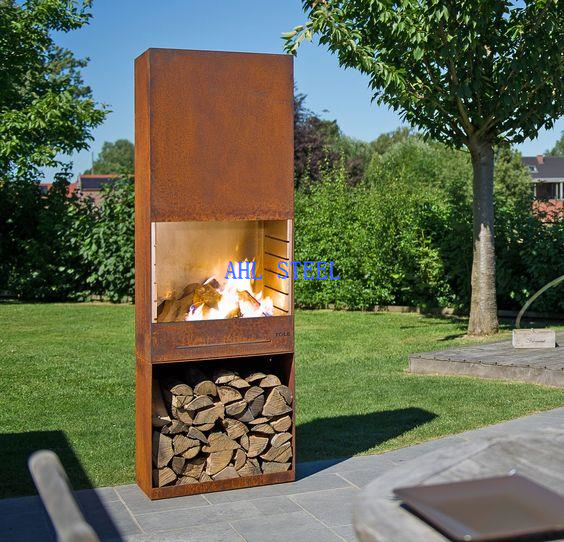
<point x="120" y="30"/>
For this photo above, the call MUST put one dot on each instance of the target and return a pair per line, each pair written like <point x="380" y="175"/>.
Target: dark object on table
<point x="499" y="508"/>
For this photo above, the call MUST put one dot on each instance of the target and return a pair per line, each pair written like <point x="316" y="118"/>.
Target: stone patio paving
<point x="497" y="360"/>
<point x="316" y="508"/>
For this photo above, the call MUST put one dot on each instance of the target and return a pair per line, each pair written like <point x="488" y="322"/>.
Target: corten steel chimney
<point x="213" y="183"/>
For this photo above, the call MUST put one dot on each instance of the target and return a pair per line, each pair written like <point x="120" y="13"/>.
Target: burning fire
<point x="212" y="300"/>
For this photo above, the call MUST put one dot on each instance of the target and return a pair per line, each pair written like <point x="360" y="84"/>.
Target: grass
<point x="67" y="383"/>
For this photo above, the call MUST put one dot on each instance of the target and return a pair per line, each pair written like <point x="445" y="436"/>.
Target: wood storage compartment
<point x="222" y="420"/>
<point x="213" y="186"/>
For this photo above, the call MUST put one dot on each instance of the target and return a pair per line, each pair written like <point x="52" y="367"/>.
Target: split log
<point x="234" y="409"/>
<point x="227" y="394"/>
<point x="263" y="429"/>
<point x="187" y="480"/>
<point x="176" y="387"/>
<point x="190" y="453"/>
<point x="224" y="376"/>
<point x="280" y="454"/>
<point x="252" y="393"/>
<point x="257" y="405"/>
<point x="176" y="426"/>
<point x="226" y="473"/>
<point x="197" y="434"/>
<point x="246" y="416"/>
<point x="239" y="383"/>
<point x="240" y="459"/>
<point x="210" y="415"/>
<point x="206" y="387"/>
<point x="199" y="402"/>
<point x="206" y="293"/>
<point x="206" y="426"/>
<point x="184" y="416"/>
<point x="282" y="424"/>
<point x="258" y="421"/>
<point x="257" y="444"/>
<point x="234" y="428"/>
<point x="275" y="404"/>
<point x="270" y="467"/>
<point x="285" y="392"/>
<point x="255" y="376"/>
<point x="280" y="438"/>
<point x="160" y="414"/>
<point x="177" y="465"/>
<point x="205" y="477"/>
<point x="250" y="468"/>
<point x="200" y="382"/>
<point x="219" y="442"/>
<point x="162" y="449"/>
<point x="270" y="381"/>
<point x="189" y="289"/>
<point x="245" y="443"/>
<point x="195" y="467"/>
<point x="163" y="477"/>
<point x="217" y="461"/>
<point x="166" y="311"/>
<point x="181" y="443"/>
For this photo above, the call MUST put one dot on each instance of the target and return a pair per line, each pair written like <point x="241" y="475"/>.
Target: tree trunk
<point x="483" y="307"/>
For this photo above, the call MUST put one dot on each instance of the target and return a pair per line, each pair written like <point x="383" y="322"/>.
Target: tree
<point x="314" y="143"/>
<point x="385" y="141"/>
<point x="558" y="149"/>
<point x="116" y="157"/>
<point x="470" y="73"/>
<point x="319" y="146"/>
<point x="45" y="108"/>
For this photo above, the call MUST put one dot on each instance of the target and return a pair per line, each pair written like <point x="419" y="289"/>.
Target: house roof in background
<point x="546" y="167"/>
<point x="95" y="182"/>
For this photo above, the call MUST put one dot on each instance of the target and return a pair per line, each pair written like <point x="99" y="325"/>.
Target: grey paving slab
<point x="315" y="482"/>
<point x="346" y="532"/>
<point x="497" y="360"/>
<point x="215" y="513"/>
<point x="293" y="527"/>
<point x="139" y="503"/>
<point x="111" y="520"/>
<point x="333" y="507"/>
<point x="218" y="532"/>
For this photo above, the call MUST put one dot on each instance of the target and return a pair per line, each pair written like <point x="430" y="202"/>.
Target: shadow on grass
<point x="15" y="449"/>
<point x="328" y="441"/>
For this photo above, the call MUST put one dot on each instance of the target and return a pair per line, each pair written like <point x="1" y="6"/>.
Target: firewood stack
<point x="219" y="426"/>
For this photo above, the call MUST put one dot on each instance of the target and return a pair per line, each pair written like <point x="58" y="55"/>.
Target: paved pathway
<point x="496" y="360"/>
<point x="316" y="508"/>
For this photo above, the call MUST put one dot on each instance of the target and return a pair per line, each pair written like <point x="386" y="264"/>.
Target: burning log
<point x="211" y="300"/>
<point x="220" y="426"/>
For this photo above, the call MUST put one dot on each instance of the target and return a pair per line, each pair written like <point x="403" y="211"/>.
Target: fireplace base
<point x="159" y="420"/>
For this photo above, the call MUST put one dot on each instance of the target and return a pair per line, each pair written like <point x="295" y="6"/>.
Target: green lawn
<point x="67" y="383"/>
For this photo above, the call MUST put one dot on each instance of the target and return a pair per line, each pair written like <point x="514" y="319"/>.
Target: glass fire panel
<point x="220" y="270"/>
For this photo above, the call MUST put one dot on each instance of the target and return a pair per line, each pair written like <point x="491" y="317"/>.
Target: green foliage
<point x="45" y="107"/>
<point x="558" y="149"/>
<point x="107" y="246"/>
<point x="39" y="248"/>
<point x="378" y="241"/>
<point x="464" y="71"/>
<point x="115" y="158"/>
<point x="405" y="235"/>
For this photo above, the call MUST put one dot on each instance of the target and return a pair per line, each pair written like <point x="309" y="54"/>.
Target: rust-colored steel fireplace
<point x="214" y="320"/>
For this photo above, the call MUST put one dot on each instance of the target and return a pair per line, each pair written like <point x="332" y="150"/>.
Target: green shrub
<point x="39" y="250"/>
<point x="405" y="235"/>
<point x="107" y="246"/>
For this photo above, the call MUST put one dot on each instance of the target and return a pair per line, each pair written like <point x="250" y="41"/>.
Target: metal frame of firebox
<point x="213" y="141"/>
